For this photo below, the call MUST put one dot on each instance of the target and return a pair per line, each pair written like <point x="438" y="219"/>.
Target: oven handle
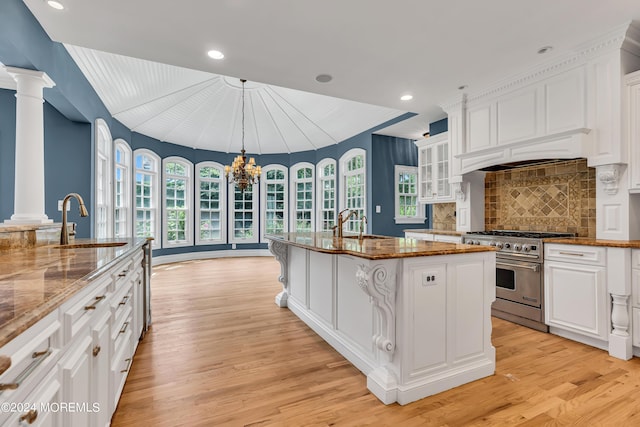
<point x="521" y="255"/>
<point x="534" y="267"/>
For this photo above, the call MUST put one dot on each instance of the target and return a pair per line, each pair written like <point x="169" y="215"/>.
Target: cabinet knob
<point x="29" y="417"/>
<point x="96" y="351"/>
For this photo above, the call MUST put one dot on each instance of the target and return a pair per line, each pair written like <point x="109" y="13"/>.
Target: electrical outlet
<point x="428" y="279"/>
<point x="60" y="206"/>
<point x="233" y="246"/>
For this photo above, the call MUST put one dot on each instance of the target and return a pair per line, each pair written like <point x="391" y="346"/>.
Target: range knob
<point x="526" y="248"/>
<point x="499" y="245"/>
<point x="492" y="243"/>
<point x="507" y="245"/>
<point x="517" y="247"/>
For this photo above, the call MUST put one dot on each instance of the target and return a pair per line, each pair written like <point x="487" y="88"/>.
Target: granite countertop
<point x="588" y="241"/>
<point x="35" y="281"/>
<point x="432" y="231"/>
<point x="380" y="247"/>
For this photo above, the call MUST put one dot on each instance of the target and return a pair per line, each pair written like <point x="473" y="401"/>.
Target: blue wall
<point x="438" y="127"/>
<point x="72" y="107"/>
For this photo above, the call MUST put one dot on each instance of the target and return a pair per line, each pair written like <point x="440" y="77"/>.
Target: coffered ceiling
<point x="376" y="51"/>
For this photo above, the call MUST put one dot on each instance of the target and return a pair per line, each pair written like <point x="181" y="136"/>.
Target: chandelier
<point x="243" y="173"/>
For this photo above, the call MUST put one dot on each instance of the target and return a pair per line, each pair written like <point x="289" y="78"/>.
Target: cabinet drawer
<point x="592" y="255"/>
<point x="32" y="409"/>
<point x="446" y="238"/>
<point x="121" y="299"/>
<point x="32" y="354"/>
<point x="635" y="320"/>
<point x="80" y="311"/>
<point x="121" y="328"/>
<point x="418" y="236"/>
<point x="121" y="363"/>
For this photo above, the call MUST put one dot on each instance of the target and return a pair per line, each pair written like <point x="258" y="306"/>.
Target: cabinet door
<point x="576" y="298"/>
<point x="425" y="174"/>
<point x="443" y="189"/>
<point x="76" y="381"/>
<point x="632" y="115"/>
<point x="100" y="371"/>
<point x="44" y="403"/>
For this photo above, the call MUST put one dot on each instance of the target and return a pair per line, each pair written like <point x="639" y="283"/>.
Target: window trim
<point x="344" y="159"/>
<point x="255" y="210"/>
<point x="320" y="190"/>
<point x="189" y="230"/>
<point x="157" y="197"/>
<point x="263" y="198"/>
<point x="121" y="144"/>
<point x="102" y="132"/>
<point x="293" y="180"/>
<point x="223" y="204"/>
<point x="417" y="219"/>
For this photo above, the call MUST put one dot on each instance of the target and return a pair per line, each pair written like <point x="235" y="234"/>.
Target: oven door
<point x="519" y="281"/>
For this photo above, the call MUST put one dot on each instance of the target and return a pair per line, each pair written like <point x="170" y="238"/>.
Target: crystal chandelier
<point x="243" y="173"/>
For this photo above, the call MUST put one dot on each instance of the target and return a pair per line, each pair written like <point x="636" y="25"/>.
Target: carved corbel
<point x="458" y="191"/>
<point x="380" y="285"/>
<point x="609" y="176"/>
<point x="280" y="251"/>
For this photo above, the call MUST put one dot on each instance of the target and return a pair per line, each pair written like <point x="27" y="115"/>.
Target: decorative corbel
<point x="280" y="251"/>
<point x="380" y="286"/>
<point x="609" y="176"/>
<point x="458" y="191"/>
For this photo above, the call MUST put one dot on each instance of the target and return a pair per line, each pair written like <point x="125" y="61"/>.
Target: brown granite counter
<point x="432" y="231"/>
<point x="587" y="241"/>
<point x="35" y="281"/>
<point x="375" y="247"/>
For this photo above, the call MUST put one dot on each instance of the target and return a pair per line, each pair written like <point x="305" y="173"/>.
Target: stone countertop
<point x="379" y="247"/>
<point x="35" y="281"/>
<point x="432" y="231"/>
<point x="588" y="241"/>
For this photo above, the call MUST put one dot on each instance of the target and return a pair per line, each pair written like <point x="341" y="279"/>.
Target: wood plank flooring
<point x="221" y="353"/>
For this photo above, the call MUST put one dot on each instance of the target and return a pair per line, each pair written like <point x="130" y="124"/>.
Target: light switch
<point x="378" y="209"/>
<point x="60" y="206"/>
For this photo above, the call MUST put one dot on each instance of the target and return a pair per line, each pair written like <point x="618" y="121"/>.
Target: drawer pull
<point x="5" y="363"/>
<point x="96" y="351"/>
<point x="39" y="357"/>
<point x="571" y="253"/>
<point x="93" y="306"/>
<point x="124" y="328"/>
<point x="29" y="417"/>
<point x="128" y="365"/>
<point x="123" y="273"/>
<point x="124" y="300"/>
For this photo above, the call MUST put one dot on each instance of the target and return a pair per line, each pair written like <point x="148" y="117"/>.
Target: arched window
<point x="147" y="195"/>
<point x="122" y="189"/>
<point x="353" y="185"/>
<point x="210" y="204"/>
<point x="274" y="199"/>
<point x="177" y="202"/>
<point x="103" y="167"/>
<point x="302" y="206"/>
<point x="326" y="172"/>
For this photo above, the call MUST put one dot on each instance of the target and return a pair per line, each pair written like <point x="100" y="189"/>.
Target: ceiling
<point x="376" y="51"/>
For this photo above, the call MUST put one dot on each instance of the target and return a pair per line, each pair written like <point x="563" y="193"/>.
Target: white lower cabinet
<point x="71" y="366"/>
<point x="430" y="237"/>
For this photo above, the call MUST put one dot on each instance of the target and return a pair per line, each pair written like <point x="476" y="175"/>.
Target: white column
<point x="29" y="163"/>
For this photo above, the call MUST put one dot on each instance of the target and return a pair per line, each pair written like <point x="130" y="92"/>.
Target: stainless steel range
<point x="519" y="274"/>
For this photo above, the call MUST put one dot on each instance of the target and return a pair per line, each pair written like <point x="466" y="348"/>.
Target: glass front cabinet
<point x="433" y="170"/>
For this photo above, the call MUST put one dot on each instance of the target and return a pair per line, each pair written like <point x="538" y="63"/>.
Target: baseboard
<point x="188" y="256"/>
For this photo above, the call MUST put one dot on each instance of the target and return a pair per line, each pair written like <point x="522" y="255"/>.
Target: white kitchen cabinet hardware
<point x="434" y="172"/>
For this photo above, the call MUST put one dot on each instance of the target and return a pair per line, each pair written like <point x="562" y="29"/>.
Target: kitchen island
<point x="413" y="316"/>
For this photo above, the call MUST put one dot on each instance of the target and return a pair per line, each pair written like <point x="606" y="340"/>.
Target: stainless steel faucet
<point x="343" y="220"/>
<point x="64" y="234"/>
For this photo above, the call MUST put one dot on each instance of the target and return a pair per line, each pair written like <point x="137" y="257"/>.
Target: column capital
<point x="17" y="73"/>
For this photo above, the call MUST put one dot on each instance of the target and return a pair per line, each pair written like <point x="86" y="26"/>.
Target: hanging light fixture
<point x="243" y="173"/>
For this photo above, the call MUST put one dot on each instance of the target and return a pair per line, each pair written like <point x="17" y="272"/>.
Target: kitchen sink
<point x="90" y="245"/>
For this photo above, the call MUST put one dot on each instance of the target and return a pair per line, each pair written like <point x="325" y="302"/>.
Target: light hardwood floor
<point x="221" y="353"/>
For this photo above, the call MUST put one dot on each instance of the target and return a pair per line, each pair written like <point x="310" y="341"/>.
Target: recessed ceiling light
<point x="324" y="78"/>
<point x="215" y="54"/>
<point x="544" y="50"/>
<point x="55" y="4"/>
<point x="406" y="97"/>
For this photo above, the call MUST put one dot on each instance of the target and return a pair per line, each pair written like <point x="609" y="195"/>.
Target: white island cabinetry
<point x="415" y="326"/>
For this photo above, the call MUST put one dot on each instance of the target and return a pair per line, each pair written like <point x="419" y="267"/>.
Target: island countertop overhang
<point x="374" y="247"/>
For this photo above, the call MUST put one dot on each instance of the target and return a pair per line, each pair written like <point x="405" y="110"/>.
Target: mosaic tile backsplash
<point x="558" y="196"/>
<point x="443" y="216"/>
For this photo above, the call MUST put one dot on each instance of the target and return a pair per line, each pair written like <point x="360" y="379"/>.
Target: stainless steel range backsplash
<point x="558" y="196"/>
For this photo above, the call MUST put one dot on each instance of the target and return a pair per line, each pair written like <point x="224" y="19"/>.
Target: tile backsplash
<point x="555" y="196"/>
<point x="443" y="216"/>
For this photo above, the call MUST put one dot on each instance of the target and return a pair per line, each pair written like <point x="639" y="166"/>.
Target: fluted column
<point x="28" y="205"/>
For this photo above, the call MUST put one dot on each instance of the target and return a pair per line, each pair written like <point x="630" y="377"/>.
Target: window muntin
<point x="354" y="186"/>
<point x="177" y="202"/>
<point x="274" y="199"/>
<point x="103" y="192"/>
<point x="243" y="212"/>
<point x="302" y="197"/>
<point x="210" y="204"/>
<point x="407" y="208"/>
<point x="147" y="195"/>
<point x="326" y="171"/>
<point x="122" y="190"/>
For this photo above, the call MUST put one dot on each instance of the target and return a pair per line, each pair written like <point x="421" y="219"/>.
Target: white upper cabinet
<point x="434" y="173"/>
<point x="632" y="122"/>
